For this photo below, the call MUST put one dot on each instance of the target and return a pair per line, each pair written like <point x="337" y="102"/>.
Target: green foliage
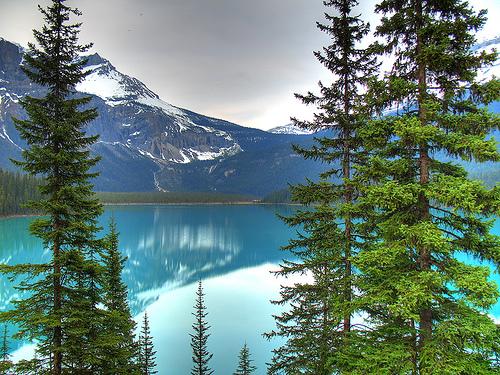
<point x="279" y="196"/>
<point x="321" y="337"/>
<point x="147" y="359"/>
<point x="201" y="355"/>
<point x="245" y="366"/>
<point x="5" y="363"/>
<point x="426" y="307"/>
<point x="119" y="350"/>
<point x="171" y="197"/>
<point x="59" y="299"/>
<point x="16" y="190"/>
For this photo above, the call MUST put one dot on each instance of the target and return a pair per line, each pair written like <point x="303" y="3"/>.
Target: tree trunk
<point x="346" y="174"/>
<point x="57" y="338"/>
<point x="424" y="257"/>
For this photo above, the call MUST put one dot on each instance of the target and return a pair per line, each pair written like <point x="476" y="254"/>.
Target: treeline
<point x="279" y="196"/>
<point x="16" y="190"/>
<point x="171" y="197"/>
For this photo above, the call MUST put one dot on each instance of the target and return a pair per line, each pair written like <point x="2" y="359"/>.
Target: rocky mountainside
<point x="147" y="144"/>
<point x="289" y="129"/>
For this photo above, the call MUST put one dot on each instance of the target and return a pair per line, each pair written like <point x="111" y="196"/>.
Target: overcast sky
<point x="240" y="60"/>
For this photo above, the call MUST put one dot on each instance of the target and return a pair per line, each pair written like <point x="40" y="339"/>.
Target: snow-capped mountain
<point x="177" y="139"/>
<point x="289" y="129"/>
<point x="149" y="144"/>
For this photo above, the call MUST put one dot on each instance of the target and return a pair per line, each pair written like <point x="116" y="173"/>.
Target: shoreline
<point x="201" y="204"/>
<point x="241" y="203"/>
<point x="16" y="216"/>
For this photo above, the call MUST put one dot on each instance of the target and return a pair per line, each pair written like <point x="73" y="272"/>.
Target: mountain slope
<point x="147" y="144"/>
<point x="289" y="129"/>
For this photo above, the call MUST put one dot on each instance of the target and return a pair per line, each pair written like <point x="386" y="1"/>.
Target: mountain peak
<point x="95" y="59"/>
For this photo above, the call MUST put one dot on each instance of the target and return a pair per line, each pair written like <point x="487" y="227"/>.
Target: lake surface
<point x="169" y="248"/>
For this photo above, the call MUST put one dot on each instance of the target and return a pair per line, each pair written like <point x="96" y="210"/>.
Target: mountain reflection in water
<point x="168" y="246"/>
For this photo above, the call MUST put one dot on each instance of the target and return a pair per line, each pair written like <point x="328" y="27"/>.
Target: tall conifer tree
<point x="201" y="355"/>
<point x="60" y="292"/>
<point x="5" y="363"/>
<point x="119" y="349"/>
<point x="321" y="337"/>
<point x="147" y="354"/>
<point x="428" y="305"/>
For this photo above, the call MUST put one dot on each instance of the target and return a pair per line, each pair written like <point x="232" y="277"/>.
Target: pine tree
<point x="147" y="359"/>
<point x="428" y="305"/>
<point x="321" y="337"/>
<point x="201" y="355"/>
<point x="5" y="363"/>
<point x="120" y="349"/>
<point x="245" y="366"/>
<point x="59" y="312"/>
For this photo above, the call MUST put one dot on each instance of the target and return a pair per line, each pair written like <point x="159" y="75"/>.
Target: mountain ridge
<point x="148" y="144"/>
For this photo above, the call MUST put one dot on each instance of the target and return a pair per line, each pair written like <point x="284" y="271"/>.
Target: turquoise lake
<point x="169" y="248"/>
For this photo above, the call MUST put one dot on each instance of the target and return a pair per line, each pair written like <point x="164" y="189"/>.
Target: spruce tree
<point x="5" y="363"/>
<point x="201" y="355"/>
<point x="245" y="366"/>
<point x="428" y="306"/>
<point x="119" y="349"/>
<point x="147" y="359"/>
<point x="321" y="337"/>
<point x="59" y="308"/>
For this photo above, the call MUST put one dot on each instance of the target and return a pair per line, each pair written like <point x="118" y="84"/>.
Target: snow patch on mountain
<point x="210" y="155"/>
<point x="5" y="136"/>
<point x="105" y="81"/>
<point x="106" y="86"/>
<point x="164" y="106"/>
<point x="289" y="129"/>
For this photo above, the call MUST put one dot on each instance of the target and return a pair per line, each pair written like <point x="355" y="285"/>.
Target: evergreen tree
<point x="59" y="311"/>
<point x="428" y="306"/>
<point x="245" y="366"/>
<point x="201" y="355"/>
<point x="120" y="349"/>
<point x="5" y="363"/>
<point x="321" y="337"/>
<point x="147" y="359"/>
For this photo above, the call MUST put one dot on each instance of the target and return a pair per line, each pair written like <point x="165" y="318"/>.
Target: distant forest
<point x="171" y="197"/>
<point x="15" y="190"/>
<point x="279" y="196"/>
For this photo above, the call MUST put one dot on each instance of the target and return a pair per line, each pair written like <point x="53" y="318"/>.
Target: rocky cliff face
<point x="149" y="144"/>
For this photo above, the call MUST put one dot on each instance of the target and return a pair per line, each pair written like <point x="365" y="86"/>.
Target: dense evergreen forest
<point x="16" y="190"/>
<point x="171" y="197"/>
<point x="278" y="196"/>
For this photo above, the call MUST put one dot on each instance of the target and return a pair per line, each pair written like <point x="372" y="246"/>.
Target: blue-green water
<point x="169" y="248"/>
